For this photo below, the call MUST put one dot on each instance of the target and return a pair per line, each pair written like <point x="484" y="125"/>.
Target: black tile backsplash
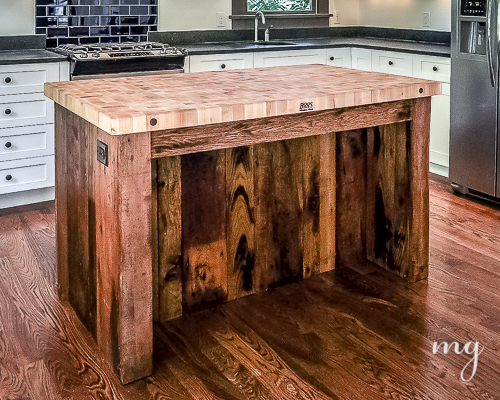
<point x="95" y="21"/>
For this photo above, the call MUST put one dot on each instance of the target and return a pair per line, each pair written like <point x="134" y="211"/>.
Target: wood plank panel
<point x="278" y="240"/>
<point x="240" y="221"/>
<point x="169" y="237"/>
<point x="248" y="132"/>
<point x="388" y="196"/>
<point x="351" y="197"/>
<point x="328" y="189"/>
<point x="204" y="248"/>
<point x="77" y="213"/>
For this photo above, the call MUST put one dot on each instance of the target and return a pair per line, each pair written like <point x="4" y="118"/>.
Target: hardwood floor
<point x="357" y="333"/>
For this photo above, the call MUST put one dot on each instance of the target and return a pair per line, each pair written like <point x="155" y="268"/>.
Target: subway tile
<point x="152" y="2"/>
<point x="119" y="10"/>
<point x="110" y="39"/>
<point x="148" y="20"/>
<point x="41" y="11"/>
<point x="153" y="10"/>
<point x="63" y="21"/>
<point x="139" y="10"/>
<point x="110" y="2"/>
<point x="99" y="31"/>
<point x="41" y="31"/>
<point x="89" y="2"/>
<point x="79" y="10"/>
<point x="51" y="32"/>
<point x="129" y="39"/>
<point x="51" y="43"/>
<point x="99" y="10"/>
<point x="129" y="20"/>
<point x="111" y="20"/>
<point x="57" y="10"/>
<point x="79" y="31"/>
<point x="45" y="22"/>
<point x="120" y="30"/>
<point x="138" y="30"/>
<point x="68" y="41"/>
<point x="129" y="2"/>
<point x="89" y="40"/>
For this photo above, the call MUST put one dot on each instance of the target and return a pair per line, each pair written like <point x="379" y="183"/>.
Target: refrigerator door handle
<point x="489" y="51"/>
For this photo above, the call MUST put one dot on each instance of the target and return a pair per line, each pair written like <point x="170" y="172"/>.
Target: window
<point x="279" y="5"/>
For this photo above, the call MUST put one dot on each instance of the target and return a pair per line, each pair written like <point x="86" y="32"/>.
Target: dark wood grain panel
<point x="278" y="240"/>
<point x="169" y="237"/>
<point x="388" y="197"/>
<point x="204" y="249"/>
<point x="79" y="218"/>
<point x="261" y="130"/>
<point x="350" y="244"/>
<point x="240" y="221"/>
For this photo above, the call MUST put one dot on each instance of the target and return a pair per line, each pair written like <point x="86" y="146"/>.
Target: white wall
<point x="405" y="13"/>
<point x="174" y="15"/>
<point x="17" y="17"/>
<point x="348" y="11"/>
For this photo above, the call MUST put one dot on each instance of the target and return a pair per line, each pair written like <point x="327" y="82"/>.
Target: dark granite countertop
<point x="434" y="43"/>
<point x="26" y="49"/>
<point x="30" y="56"/>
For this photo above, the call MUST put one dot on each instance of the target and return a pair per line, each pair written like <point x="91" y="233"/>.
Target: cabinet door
<point x="26" y="141"/>
<point x="433" y="68"/>
<point x="391" y="62"/>
<point x="25" y="109"/>
<point x="220" y="62"/>
<point x="289" y="57"/>
<point x="440" y="128"/>
<point x="339" y="57"/>
<point x="26" y="174"/>
<point x="361" y="59"/>
<point x="27" y="78"/>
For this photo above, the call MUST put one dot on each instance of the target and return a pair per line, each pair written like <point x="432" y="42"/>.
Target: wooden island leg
<point x="105" y="240"/>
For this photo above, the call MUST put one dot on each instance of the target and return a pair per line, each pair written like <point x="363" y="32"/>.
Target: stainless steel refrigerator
<point x="474" y="132"/>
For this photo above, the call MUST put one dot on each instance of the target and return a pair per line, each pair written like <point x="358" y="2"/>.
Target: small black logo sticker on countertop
<point x="102" y="153"/>
<point x="307" y="106"/>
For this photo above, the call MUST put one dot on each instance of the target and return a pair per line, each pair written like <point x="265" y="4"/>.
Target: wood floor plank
<point x="357" y="332"/>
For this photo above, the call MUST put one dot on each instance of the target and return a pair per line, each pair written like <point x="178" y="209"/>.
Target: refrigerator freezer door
<point x="473" y="125"/>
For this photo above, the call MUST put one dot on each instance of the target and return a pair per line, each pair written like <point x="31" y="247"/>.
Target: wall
<point x="405" y="13"/>
<point x="17" y="17"/>
<point x="192" y="14"/>
<point x="348" y="11"/>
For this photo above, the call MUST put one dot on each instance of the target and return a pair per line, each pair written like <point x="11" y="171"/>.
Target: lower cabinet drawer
<point x="25" y="109"/>
<point x="26" y="174"/>
<point x="26" y="141"/>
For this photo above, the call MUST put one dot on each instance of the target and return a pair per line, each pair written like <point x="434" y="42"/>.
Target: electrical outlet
<point x="336" y="17"/>
<point x="221" y="20"/>
<point x="426" y="21"/>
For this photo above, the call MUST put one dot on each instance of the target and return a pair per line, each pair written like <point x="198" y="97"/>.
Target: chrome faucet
<point x="256" y="25"/>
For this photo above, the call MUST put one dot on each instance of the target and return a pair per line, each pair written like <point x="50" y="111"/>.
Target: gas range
<point x="124" y="59"/>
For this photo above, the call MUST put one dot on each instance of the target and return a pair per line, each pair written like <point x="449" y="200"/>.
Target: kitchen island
<point x="179" y="192"/>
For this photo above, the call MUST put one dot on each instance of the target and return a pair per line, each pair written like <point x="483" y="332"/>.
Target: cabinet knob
<point x="8" y="79"/>
<point x="332" y="58"/>
<point x="391" y="63"/>
<point x="8" y="177"/>
<point x="8" y="145"/>
<point x="434" y="69"/>
<point x="8" y="111"/>
<point x="223" y="66"/>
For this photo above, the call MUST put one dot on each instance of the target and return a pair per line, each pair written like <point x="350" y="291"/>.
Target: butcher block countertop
<point x="158" y="102"/>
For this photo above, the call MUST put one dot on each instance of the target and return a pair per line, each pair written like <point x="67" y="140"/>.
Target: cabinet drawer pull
<point x="8" y="79"/>
<point x="391" y="63"/>
<point x="332" y="58"/>
<point x="435" y="68"/>
<point x="223" y="66"/>
<point x="8" y="145"/>
<point x="8" y="177"/>
<point x="8" y="111"/>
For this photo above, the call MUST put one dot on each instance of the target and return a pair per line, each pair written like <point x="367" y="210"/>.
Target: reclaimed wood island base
<point x="175" y="193"/>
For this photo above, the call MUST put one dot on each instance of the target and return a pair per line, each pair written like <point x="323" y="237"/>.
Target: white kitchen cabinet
<point x="438" y="69"/>
<point x="219" y="62"/>
<point x="361" y="59"/>
<point x="339" y="57"/>
<point x="289" y="57"/>
<point x="391" y="62"/>
<point x="27" y="132"/>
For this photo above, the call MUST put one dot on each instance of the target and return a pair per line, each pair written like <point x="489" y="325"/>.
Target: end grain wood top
<point x="156" y="102"/>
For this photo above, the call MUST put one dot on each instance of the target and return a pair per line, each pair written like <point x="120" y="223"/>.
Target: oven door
<point x="125" y="74"/>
